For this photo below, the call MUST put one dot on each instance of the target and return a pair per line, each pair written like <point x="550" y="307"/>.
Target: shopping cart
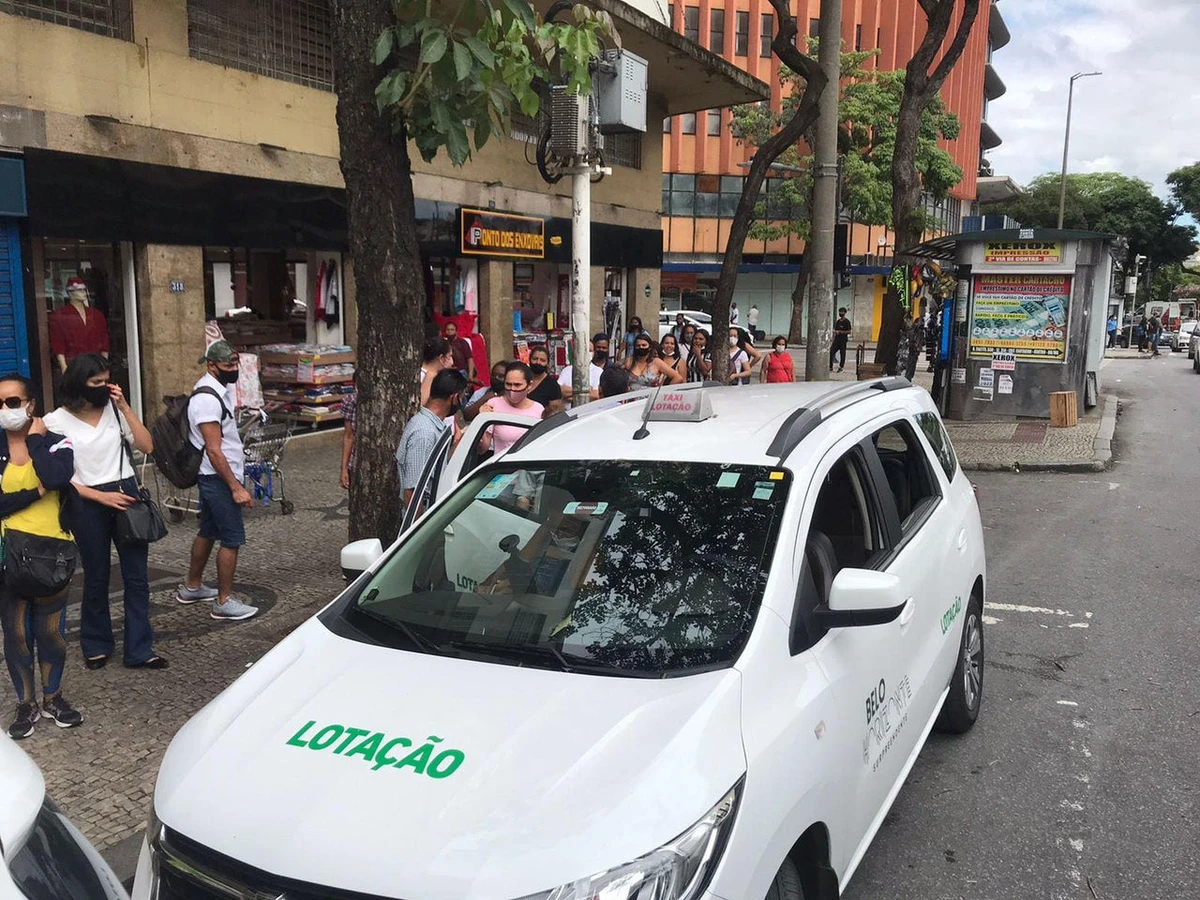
<point x="265" y="435"/>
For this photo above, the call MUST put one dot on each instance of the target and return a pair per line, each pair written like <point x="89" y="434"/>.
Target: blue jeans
<point x="94" y="527"/>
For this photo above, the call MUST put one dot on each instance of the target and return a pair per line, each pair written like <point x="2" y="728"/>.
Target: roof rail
<point x="801" y="423"/>
<point x="595" y="407"/>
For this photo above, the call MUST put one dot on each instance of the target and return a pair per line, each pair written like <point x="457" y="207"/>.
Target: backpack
<point x="174" y="454"/>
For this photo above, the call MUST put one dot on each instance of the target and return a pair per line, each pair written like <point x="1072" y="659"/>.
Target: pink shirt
<point x="504" y="436"/>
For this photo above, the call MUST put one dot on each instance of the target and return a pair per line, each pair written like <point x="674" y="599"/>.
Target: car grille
<point x="190" y="871"/>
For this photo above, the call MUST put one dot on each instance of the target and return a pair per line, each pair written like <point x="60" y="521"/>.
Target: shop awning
<point x="687" y="77"/>
<point x="947" y="247"/>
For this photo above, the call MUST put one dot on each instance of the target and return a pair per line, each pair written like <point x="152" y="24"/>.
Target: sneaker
<point x="63" y="714"/>
<point x="840" y="368"/>
<point x="187" y="595"/>
<point x="233" y="609"/>
<point x="22" y="726"/>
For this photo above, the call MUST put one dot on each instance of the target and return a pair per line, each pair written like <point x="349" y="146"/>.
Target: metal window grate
<point x="623" y="150"/>
<point x="286" y="39"/>
<point x="111" y="18"/>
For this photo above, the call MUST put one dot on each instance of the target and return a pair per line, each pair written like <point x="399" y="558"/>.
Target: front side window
<point x="935" y="432"/>
<point x="612" y="568"/>
<point x="906" y="468"/>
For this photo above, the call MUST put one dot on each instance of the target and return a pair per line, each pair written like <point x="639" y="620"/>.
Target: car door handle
<point x="910" y="609"/>
<point x="961" y="543"/>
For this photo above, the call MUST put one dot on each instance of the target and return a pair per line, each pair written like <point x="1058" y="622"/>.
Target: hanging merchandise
<point x="459" y="301"/>
<point x="319" y="293"/>
<point x="470" y="279"/>
<point x="332" y="308"/>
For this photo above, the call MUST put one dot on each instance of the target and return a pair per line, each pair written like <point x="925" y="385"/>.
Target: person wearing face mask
<point x="778" y="368"/>
<point x="595" y="370"/>
<point x="739" y="359"/>
<point x="514" y="402"/>
<point x="211" y="426"/>
<point x="645" y="369"/>
<point x="635" y="328"/>
<point x="422" y="432"/>
<point x="36" y="467"/>
<point x="699" y="361"/>
<point x="101" y="426"/>
<point x="494" y="388"/>
<point x="543" y="387"/>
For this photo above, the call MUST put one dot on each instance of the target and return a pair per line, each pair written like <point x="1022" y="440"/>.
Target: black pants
<point x="838" y="349"/>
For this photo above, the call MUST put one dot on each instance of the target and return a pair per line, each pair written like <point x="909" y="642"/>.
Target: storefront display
<point x="309" y="381"/>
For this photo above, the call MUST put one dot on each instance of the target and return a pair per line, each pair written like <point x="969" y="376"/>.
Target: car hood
<point x="532" y="778"/>
<point x="22" y="790"/>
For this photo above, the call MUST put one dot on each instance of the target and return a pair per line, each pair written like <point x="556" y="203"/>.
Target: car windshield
<point x="618" y="568"/>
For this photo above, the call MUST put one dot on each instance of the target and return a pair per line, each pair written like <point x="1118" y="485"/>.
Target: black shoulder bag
<point x="141" y="522"/>
<point x="35" y="565"/>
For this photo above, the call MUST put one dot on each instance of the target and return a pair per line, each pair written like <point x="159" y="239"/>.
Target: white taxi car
<point x="674" y="645"/>
<point x="44" y="856"/>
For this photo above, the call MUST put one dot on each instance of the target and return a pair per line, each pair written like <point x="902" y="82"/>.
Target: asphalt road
<point x="1080" y="779"/>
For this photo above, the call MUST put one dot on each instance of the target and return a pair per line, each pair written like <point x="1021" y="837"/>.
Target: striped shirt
<point x="416" y="446"/>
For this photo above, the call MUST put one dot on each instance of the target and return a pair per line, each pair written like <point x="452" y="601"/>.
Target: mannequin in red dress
<point x="77" y="328"/>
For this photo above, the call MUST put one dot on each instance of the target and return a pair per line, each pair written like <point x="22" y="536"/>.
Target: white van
<point x="681" y="644"/>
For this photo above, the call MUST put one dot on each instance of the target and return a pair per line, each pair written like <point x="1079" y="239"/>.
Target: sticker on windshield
<point x="728" y="479"/>
<point x="496" y="486"/>
<point x="585" y="509"/>
<point x="776" y="476"/>
<point x="763" y="490"/>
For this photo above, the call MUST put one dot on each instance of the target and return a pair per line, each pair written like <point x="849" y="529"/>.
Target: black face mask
<point x="497" y="385"/>
<point x="641" y="351"/>
<point x="227" y="377"/>
<point x="537" y="368"/>
<point x="600" y="357"/>
<point x="97" y="396"/>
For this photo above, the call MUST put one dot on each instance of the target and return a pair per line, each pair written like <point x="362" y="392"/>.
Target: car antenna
<point x="643" y="431"/>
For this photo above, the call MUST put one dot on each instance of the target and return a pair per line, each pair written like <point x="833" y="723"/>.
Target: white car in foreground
<point x="44" y="855"/>
<point x="674" y="645"/>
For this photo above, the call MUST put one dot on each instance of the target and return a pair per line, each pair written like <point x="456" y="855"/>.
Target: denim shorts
<point x="220" y="518"/>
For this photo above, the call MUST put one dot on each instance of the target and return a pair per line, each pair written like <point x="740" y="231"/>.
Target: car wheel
<point x="966" y="685"/>
<point x="786" y="885"/>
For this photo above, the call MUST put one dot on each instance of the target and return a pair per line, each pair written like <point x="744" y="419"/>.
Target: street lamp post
<point x="1062" y="187"/>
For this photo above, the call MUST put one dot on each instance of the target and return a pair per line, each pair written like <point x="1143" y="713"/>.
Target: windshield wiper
<point x="424" y="644"/>
<point x="535" y="654"/>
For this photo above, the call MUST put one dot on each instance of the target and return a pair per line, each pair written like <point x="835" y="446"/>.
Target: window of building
<point x="766" y="35"/>
<point x="716" y="30"/>
<point x="814" y="27"/>
<point x="667" y="125"/>
<point x="858" y="37"/>
<point x="111" y="18"/>
<point x="741" y="44"/>
<point x="878" y="38"/>
<point x="714" y="122"/>
<point x="691" y="23"/>
<point x="286" y="39"/>
<point x="689" y="123"/>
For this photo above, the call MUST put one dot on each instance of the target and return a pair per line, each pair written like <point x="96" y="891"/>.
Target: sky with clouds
<point x="1140" y="118"/>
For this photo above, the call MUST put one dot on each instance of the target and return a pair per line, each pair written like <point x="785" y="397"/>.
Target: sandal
<point x="154" y="662"/>
<point x="95" y="662"/>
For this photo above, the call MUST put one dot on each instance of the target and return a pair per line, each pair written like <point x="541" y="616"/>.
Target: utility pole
<point x="581" y="280"/>
<point x="1062" y="184"/>
<point x="824" y="211"/>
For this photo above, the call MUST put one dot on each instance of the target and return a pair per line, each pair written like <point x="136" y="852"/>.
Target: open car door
<point x="467" y="457"/>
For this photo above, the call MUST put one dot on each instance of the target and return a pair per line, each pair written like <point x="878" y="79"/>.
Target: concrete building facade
<point x="704" y="165"/>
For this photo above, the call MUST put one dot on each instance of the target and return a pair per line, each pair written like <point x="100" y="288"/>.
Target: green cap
<point x="219" y="352"/>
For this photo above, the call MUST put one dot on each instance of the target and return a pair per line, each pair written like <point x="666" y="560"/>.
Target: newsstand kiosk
<point x="1027" y="320"/>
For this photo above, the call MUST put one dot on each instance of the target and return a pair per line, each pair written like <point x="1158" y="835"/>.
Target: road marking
<point x="1066" y="703"/>
<point x="1037" y="610"/>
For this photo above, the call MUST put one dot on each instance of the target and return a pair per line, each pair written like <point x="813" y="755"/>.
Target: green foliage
<point x="456" y="72"/>
<point x="1185" y="189"/>
<point x="1110" y="203"/>
<point x="869" y="106"/>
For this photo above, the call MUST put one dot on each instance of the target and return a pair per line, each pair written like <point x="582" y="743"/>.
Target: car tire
<point x="966" y="685"/>
<point x="786" y="885"/>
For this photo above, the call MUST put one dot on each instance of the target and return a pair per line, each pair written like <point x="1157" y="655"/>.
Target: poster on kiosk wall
<point x="1022" y="314"/>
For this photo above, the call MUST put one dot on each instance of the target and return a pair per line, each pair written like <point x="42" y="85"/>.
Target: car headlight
<point x="678" y="870"/>
<point x="58" y="863"/>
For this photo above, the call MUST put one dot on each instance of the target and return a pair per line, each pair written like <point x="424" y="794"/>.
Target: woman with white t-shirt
<point x="105" y="483"/>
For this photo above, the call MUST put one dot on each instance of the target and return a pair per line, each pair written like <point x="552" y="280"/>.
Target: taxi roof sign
<point x="680" y="406"/>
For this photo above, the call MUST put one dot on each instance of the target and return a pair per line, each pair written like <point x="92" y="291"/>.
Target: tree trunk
<point x="796" y="334"/>
<point x="387" y="268"/>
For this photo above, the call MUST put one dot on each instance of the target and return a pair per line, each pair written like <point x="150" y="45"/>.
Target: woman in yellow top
<point x="35" y="465"/>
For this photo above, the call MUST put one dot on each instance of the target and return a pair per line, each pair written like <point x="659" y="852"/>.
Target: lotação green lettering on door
<point x="951" y="614"/>
<point x="376" y="748"/>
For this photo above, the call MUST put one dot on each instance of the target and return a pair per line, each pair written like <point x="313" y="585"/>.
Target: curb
<point x="1101" y="450"/>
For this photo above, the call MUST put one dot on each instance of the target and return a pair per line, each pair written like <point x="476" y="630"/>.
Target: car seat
<point x="896" y="470"/>
<point x="838" y="518"/>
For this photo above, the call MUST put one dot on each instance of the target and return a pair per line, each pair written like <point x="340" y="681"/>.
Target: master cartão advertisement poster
<point x="1025" y="315"/>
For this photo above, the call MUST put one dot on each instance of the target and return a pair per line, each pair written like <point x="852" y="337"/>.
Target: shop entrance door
<point x="14" y="339"/>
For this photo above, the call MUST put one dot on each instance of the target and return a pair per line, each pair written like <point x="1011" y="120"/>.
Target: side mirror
<point x="860" y="597"/>
<point x="360" y="556"/>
